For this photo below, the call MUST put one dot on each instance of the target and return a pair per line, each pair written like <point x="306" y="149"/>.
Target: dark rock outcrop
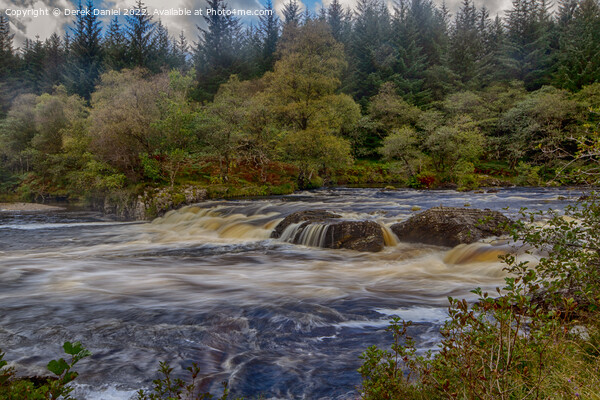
<point x="449" y="226"/>
<point x="355" y="235"/>
<point x="331" y="233"/>
<point x="308" y="216"/>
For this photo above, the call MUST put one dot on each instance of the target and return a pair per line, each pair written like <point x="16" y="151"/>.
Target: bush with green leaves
<point x="538" y="339"/>
<point x="13" y="388"/>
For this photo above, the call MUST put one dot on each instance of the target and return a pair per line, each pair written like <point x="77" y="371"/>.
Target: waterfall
<point x="474" y="253"/>
<point x="195" y="222"/>
<point x="389" y="237"/>
<point x="313" y="235"/>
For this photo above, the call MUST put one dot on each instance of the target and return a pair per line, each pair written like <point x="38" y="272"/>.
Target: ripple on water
<point x="206" y="284"/>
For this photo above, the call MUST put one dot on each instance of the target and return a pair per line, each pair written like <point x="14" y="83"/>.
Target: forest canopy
<point x="429" y="97"/>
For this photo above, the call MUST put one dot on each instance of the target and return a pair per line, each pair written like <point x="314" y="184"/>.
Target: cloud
<point x="30" y="26"/>
<point x="279" y="4"/>
<point x="44" y="26"/>
<point x="494" y="6"/>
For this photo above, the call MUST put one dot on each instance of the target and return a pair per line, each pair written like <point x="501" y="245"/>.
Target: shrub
<point x="537" y="339"/>
<point x="43" y="388"/>
<point x="528" y="175"/>
<point x="168" y="387"/>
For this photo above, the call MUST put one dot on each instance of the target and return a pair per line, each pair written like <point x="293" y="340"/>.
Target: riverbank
<point x="148" y="200"/>
<point x="27" y="207"/>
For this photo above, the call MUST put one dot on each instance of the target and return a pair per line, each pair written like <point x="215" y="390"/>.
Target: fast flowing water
<point x="205" y="284"/>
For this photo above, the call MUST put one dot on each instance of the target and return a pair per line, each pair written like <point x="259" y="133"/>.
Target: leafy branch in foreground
<point x="539" y="339"/>
<point x="15" y="388"/>
<point x="168" y="387"/>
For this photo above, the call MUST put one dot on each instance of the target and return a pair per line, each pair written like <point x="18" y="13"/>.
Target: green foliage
<point x="382" y="370"/>
<point x="521" y="344"/>
<point x="391" y="111"/>
<point x="176" y="122"/>
<point x="450" y="144"/>
<point x="85" y="52"/>
<point x="313" y="151"/>
<point x="538" y="127"/>
<point x="361" y="79"/>
<point x="151" y="166"/>
<point x="465" y="175"/>
<point x="364" y="172"/>
<point x="97" y="176"/>
<point x="527" y="175"/>
<point x="45" y="137"/>
<point x="579" y="58"/>
<point x="168" y="387"/>
<point x="301" y="89"/>
<point x="301" y="94"/>
<point x="222" y="125"/>
<point x="12" y="388"/>
<point x="387" y="113"/>
<point x="570" y="271"/>
<point x="401" y="145"/>
<point x="133" y="114"/>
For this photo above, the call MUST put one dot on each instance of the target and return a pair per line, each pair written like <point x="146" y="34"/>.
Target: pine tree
<point x="6" y="47"/>
<point x="410" y="62"/>
<point x="269" y="33"/>
<point x="139" y="33"/>
<point x="428" y="28"/>
<point x="218" y="49"/>
<point x="115" y="46"/>
<point x="335" y="19"/>
<point x="84" y="64"/>
<point x="322" y="16"/>
<point x="67" y="43"/>
<point x="161" y="53"/>
<point x="465" y="42"/>
<point x="493" y="64"/>
<point x="33" y="54"/>
<point x="250" y="55"/>
<point x="566" y="11"/>
<point x="579" y="58"/>
<point x="307" y="16"/>
<point x="529" y="41"/>
<point x="371" y="54"/>
<point x="54" y="62"/>
<point x="8" y="66"/>
<point x="291" y="13"/>
<point x="181" y="53"/>
<point x="432" y="25"/>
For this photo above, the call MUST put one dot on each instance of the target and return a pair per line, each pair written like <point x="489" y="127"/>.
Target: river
<point x="205" y="284"/>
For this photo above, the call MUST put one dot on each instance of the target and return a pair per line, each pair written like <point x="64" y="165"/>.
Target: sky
<point x="32" y="25"/>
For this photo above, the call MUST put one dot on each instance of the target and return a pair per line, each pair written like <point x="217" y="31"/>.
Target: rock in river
<point x="449" y="226"/>
<point x="302" y="216"/>
<point x="321" y="228"/>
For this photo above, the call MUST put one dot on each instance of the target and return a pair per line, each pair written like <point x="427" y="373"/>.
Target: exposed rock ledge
<point x="352" y="235"/>
<point x="151" y="204"/>
<point x="449" y="226"/>
<point x="27" y="207"/>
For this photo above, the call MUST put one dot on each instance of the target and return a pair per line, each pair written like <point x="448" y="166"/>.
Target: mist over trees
<point x="413" y="85"/>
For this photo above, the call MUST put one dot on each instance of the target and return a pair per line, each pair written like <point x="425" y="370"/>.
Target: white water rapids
<point x="206" y="284"/>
